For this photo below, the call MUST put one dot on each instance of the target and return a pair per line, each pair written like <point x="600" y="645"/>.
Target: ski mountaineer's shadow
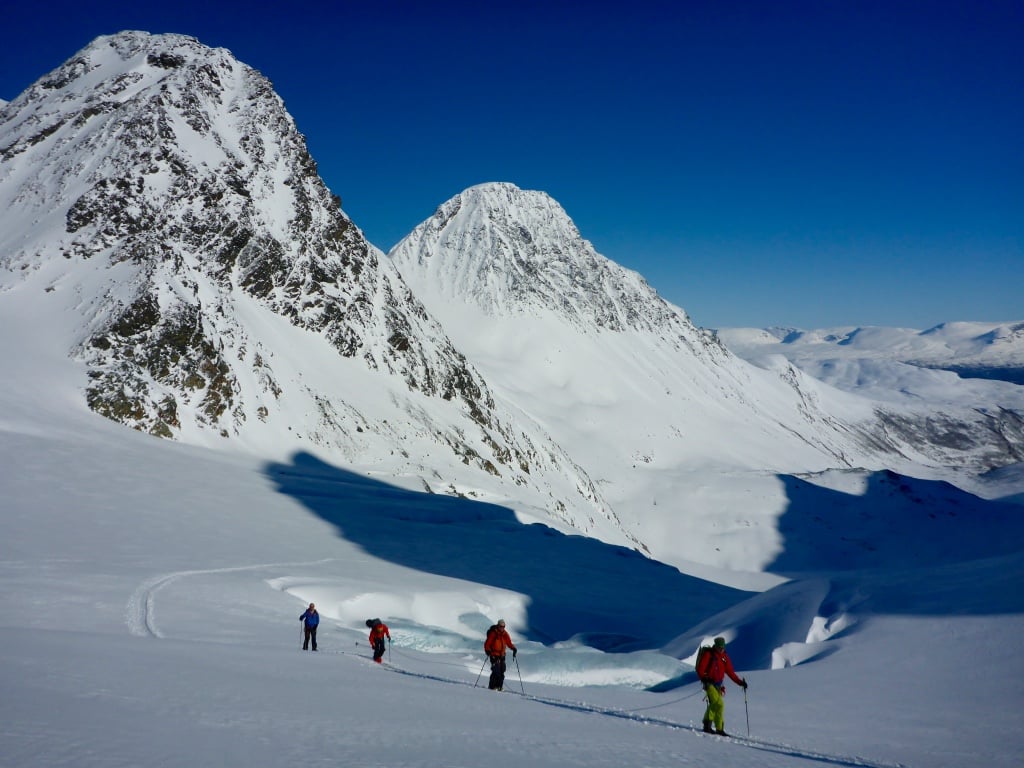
<point x="611" y="597"/>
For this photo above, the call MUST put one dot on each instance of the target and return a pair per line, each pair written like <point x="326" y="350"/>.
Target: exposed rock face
<point x="181" y="162"/>
<point x="168" y="187"/>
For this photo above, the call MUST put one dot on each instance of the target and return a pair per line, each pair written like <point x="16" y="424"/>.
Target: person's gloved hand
<point x="514" y="652"/>
<point x="744" y="683"/>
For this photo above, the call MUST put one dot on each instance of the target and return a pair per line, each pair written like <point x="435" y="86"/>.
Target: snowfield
<point x="151" y="591"/>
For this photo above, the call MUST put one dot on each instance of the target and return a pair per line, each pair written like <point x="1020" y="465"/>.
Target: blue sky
<point x="809" y="164"/>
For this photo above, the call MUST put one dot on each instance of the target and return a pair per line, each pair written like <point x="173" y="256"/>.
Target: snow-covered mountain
<point x="516" y="253"/>
<point x="157" y="198"/>
<point x="971" y="349"/>
<point x="163" y="223"/>
<point x="651" y="401"/>
<point x="175" y="175"/>
<point x="967" y="376"/>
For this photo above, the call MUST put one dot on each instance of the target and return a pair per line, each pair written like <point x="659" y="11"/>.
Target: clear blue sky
<point x="819" y="163"/>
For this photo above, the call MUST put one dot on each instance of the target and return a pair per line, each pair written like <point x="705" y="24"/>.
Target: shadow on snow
<point x="607" y="596"/>
<point x="897" y="522"/>
<point x="904" y="546"/>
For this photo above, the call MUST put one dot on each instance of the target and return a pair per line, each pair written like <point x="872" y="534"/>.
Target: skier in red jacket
<point x="378" y="631"/>
<point x="712" y="667"/>
<point x="494" y="646"/>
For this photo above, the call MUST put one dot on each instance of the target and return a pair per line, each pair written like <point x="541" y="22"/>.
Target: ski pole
<point x="747" y="708"/>
<point x="480" y="672"/>
<point x="520" y="675"/>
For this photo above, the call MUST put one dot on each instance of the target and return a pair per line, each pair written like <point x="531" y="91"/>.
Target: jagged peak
<point x="180" y="166"/>
<point x="500" y="204"/>
<point x="131" y="59"/>
<point x="512" y="251"/>
<point x="144" y="113"/>
<point x="504" y="196"/>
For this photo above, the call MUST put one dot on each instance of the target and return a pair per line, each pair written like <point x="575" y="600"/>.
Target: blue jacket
<point x="311" y="618"/>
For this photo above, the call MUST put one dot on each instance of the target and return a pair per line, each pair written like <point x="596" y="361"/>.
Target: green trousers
<point x="715" y="712"/>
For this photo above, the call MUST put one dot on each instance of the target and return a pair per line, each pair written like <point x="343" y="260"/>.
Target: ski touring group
<point x="712" y="666"/>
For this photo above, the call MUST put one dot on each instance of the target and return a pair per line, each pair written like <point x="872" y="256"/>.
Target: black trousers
<point x="378" y="648"/>
<point x="310" y="635"/>
<point x="497" y="673"/>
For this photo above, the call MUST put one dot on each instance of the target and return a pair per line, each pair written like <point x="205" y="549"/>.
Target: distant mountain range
<point x="162" y="222"/>
<point x="972" y="350"/>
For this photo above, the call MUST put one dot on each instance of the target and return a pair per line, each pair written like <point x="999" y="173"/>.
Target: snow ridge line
<point x="789" y="750"/>
<point x="140" y="612"/>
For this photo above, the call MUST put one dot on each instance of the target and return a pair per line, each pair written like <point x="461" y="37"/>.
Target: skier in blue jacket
<point x="310" y="620"/>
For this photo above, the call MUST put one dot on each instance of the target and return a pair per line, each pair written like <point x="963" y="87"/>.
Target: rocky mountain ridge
<point x="164" y="188"/>
<point x="212" y="288"/>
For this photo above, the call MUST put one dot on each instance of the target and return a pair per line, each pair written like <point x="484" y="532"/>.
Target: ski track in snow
<point x="845" y="761"/>
<point x="140" y="613"/>
<point x="141" y="620"/>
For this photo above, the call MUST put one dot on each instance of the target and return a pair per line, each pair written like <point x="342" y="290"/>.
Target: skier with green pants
<point x="713" y="664"/>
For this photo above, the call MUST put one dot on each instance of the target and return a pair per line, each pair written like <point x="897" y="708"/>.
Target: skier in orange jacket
<point x="494" y="646"/>
<point x="378" y="631"/>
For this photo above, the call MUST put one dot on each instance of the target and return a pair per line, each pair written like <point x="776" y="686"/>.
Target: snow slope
<point x="150" y="592"/>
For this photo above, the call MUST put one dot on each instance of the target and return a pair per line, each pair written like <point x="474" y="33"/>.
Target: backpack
<point x="371" y="623"/>
<point x="705" y="650"/>
<point x="490" y="636"/>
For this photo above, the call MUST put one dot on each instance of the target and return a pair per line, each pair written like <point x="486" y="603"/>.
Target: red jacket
<point x="497" y="640"/>
<point x="715" y="666"/>
<point x="378" y="632"/>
